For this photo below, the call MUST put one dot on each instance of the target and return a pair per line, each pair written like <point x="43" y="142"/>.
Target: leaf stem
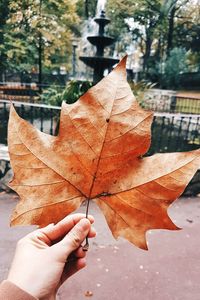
<point x="87" y="208"/>
<point x="104" y="194"/>
<point x="86" y="246"/>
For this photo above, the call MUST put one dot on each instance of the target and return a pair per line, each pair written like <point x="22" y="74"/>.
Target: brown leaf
<point x="97" y="156"/>
<point x="88" y="294"/>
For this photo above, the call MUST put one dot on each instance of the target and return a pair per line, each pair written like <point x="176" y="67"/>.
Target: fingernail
<point x="91" y="218"/>
<point x="50" y="225"/>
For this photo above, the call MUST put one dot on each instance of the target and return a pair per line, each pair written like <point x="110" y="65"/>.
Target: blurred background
<point x="56" y="50"/>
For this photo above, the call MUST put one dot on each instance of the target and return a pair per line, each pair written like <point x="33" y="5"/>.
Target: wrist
<point x="23" y="287"/>
<point x="9" y="290"/>
<point x="29" y="290"/>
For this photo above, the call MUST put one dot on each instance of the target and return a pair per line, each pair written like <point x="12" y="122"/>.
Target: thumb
<point x="75" y="236"/>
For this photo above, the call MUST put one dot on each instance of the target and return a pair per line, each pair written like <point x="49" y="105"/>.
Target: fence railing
<point x="170" y="132"/>
<point x="44" y="117"/>
<point x="155" y="99"/>
<point x="23" y="92"/>
<point x="186" y="104"/>
<point x="171" y="101"/>
<point x="175" y="132"/>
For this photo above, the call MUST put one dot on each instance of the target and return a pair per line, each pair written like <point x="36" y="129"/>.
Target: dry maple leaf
<point x="97" y="156"/>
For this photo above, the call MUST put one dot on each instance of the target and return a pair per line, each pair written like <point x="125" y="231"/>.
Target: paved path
<point x="116" y="270"/>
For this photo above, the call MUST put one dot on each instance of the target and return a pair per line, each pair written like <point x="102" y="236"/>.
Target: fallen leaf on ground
<point x="88" y="294"/>
<point x="97" y="156"/>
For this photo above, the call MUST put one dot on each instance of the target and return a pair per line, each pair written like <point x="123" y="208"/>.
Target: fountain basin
<point x="104" y="21"/>
<point x="100" y="62"/>
<point x="100" y="41"/>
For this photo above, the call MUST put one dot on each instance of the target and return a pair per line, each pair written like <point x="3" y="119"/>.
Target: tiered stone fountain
<point x="98" y="62"/>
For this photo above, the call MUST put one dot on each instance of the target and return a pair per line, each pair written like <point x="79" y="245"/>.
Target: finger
<point x="74" y="238"/>
<point x="79" y="253"/>
<point x="72" y="268"/>
<point x="60" y="229"/>
<point x="40" y="235"/>
<point x="43" y="234"/>
<point x="92" y="233"/>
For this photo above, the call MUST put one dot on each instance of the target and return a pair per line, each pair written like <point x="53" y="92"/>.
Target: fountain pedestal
<point x="98" y="62"/>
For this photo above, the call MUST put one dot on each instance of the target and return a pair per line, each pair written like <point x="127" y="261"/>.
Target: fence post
<point x="173" y="104"/>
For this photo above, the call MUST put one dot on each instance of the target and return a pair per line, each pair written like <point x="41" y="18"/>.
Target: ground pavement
<point x="117" y="270"/>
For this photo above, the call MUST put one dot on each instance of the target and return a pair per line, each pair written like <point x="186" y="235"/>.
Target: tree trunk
<point x="40" y="49"/>
<point x="4" y="12"/>
<point x="171" y="29"/>
<point x="40" y="63"/>
<point x="148" y="44"/>
<point x="86" y="9"/>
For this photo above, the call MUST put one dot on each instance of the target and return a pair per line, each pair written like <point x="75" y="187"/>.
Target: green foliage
<point x="75" y="89"/>
<point x="70" y="94"/>
<point x="86" y="9"/>
<point x="157" y="26"/>
<point x="39" y="25"/>
<point x="52" y="95"/>
<point x="194" y="61"/>
<point x="175" y="65"/>
<point x="139" y="88"/>
<point x="4" y="12"/>
<point x="118" y="11"/>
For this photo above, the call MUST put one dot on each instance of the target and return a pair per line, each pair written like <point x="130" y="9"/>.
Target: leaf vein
<point x="128" y="131"/>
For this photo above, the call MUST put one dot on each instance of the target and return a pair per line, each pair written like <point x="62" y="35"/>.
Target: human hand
<point x="46" y="257"/>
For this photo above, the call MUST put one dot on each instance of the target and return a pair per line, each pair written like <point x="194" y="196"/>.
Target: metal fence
<point x="171" y="101"/>
<point x="24" y="92"/>
<point x="177" y="104"/>
<point x="175" y="132"/>
<point x="170" y="132"/>
<point x="189" y="105"/>
<point x="154" y="99"/>
<point x="44" y="117"/>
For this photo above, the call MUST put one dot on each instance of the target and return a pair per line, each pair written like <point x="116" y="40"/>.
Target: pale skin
<point x="46" y="257"/>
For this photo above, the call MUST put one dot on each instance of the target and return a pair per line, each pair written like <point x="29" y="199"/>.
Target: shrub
<point x="54" y="95"/>
<point x="175" y="65"/>
<point x="139" y="88"/>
